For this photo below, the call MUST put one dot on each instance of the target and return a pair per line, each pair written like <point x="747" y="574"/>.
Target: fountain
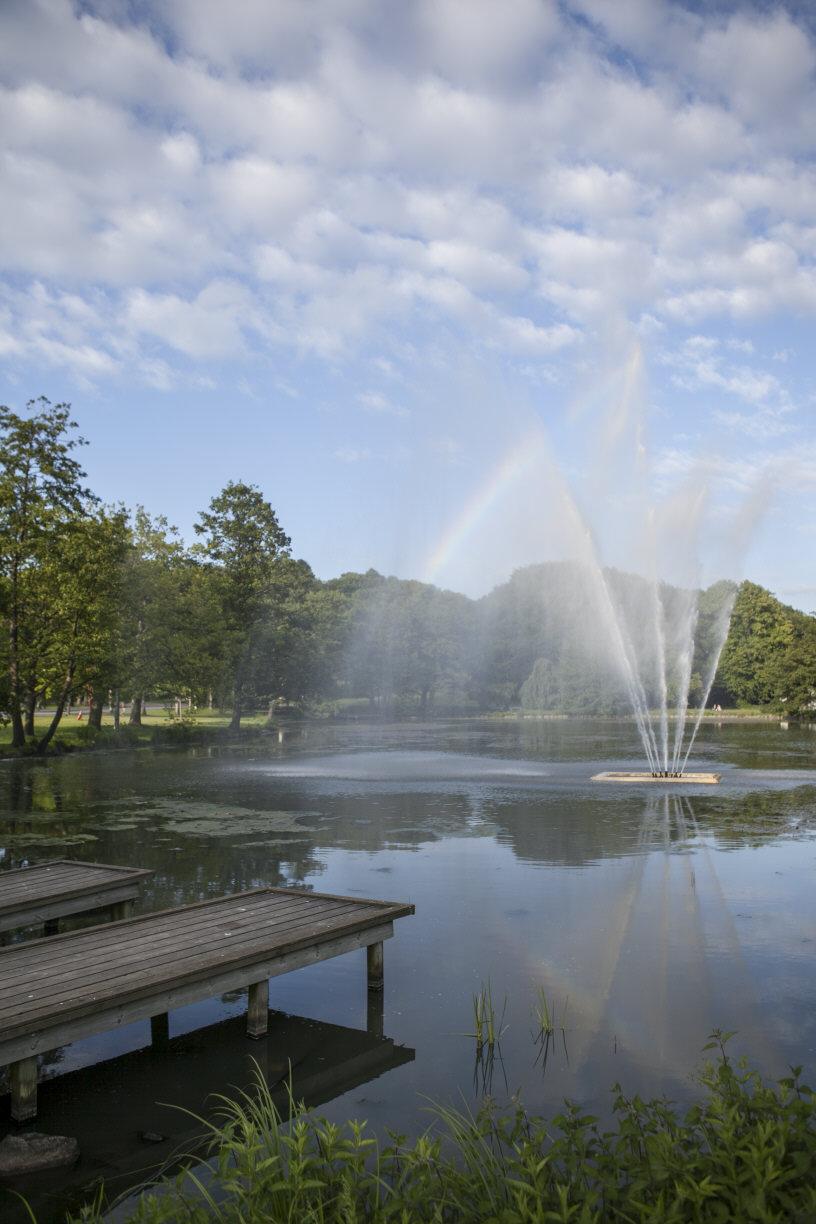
<point x="662" y="631"/>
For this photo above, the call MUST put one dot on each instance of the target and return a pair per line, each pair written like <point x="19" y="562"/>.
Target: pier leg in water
<point x="258" y="1009"/>
<point x="122" y="909"/>
<point x="51" y="927"/>
<point x="374" y="999"/>
<point x="160" y="1031"/>
<point x="24" y="1089"/>
<point x="375" y="966"/>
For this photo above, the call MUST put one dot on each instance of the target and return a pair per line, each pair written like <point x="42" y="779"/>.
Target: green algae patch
<point x="200" y="818"/>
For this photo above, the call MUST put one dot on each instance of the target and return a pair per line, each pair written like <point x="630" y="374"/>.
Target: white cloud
<point x="374" y="401"/>
<point x="318" y="177"/>
<point x="352" y="454"/>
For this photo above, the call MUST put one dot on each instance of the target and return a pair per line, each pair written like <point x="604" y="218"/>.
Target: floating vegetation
<point x="36" y="837"/>
<point x="200" y="818"/>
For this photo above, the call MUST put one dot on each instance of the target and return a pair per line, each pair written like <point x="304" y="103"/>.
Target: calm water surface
<point x="648" y="914"/>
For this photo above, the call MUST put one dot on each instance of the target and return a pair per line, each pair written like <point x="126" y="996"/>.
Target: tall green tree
<point x="83" y="583"/>
<point x="170" y="630"/>
<point x="41" y="494"/>
<point x="244" y="544"/>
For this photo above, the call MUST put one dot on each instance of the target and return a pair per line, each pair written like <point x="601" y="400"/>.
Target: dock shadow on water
<point x="648" y="916"/>
<point x="136" y="1116"/>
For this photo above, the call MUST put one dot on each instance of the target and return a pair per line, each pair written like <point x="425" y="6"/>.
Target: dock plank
<point x="226" y="934"/>
<point x="49" y="891"/>
<point x="76" y="972"/>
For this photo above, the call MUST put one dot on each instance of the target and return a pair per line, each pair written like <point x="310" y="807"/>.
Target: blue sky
<point x="397" y="262"/>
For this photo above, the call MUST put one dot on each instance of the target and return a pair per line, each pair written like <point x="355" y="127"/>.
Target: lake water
<point x="647" y="914"/>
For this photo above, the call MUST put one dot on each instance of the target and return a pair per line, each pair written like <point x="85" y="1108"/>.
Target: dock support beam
<point x="374" y="954"/>
<point x="160" y="1031"/>
<point x="24" y="1089"/>
<point x="51" y="927"/>
<point x="121" y="909"/>
<point x="258" y="1009"/>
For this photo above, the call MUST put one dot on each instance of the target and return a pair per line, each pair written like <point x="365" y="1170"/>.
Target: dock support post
<point x="160" y="1031"/>
<point x="258" y="1009"/>
<point x="375" y="966"/>
<point x="51" y="927"/>
<point x="24" y="1089"/>
<point x="121" y="909"/>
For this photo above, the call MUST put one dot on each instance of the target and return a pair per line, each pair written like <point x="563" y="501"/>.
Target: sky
<point x="426" y="271"/>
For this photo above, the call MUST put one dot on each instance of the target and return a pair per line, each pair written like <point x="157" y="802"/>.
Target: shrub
<point x="746" y="1152"/>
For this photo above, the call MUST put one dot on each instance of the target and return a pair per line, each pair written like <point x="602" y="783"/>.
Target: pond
<point x="647" y="915"/>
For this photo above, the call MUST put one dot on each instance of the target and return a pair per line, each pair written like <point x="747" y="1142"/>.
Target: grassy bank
<point x="746" y="1152"/>
<point x="157" y="728"/>
<point x="160" y="727"/>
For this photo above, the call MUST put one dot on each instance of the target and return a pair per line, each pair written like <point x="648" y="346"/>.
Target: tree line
<point x="108" y="605"/>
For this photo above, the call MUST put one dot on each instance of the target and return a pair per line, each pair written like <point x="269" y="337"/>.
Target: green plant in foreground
<point x="746" y="1152"/>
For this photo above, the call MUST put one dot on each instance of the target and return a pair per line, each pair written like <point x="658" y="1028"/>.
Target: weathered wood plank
<point x="50" y="891"/>
<point x="171" y="925"/>
<point x="82" y="960"/>
<point x="178" y="920"/>
<point x="88" y="996"/>
<point x="19" y="1008"/>
<point x="37" y="982"/>
<point x="56" y="1031"/>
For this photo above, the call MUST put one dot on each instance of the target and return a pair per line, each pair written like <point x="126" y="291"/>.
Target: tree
<point x="760" y="633"/>
<point x="83" y="583"/>
<point x="243" y="543"/>
<point x="169" y="617"/>
<point x="41" y="494"/>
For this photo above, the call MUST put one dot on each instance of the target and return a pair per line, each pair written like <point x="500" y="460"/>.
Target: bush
<point x="746" y="1152"/>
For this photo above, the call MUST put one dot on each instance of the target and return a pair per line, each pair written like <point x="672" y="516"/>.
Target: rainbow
<point x="514" y="465"/>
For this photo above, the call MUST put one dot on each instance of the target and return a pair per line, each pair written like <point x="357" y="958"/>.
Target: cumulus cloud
<point x="315" y="178"/>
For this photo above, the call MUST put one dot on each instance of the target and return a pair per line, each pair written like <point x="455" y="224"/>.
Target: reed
<point x="545" y="1015"/>
<point x="486" y="1029"/>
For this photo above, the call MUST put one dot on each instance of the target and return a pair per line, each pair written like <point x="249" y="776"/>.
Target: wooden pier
<point x="41" y="895"/>
<point x="57" y="990"/>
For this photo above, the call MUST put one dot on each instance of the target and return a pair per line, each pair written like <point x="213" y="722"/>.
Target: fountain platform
<point x="625" y="775"/>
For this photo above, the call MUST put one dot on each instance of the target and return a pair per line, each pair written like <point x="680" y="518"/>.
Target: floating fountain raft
<point x="660" y="775"/>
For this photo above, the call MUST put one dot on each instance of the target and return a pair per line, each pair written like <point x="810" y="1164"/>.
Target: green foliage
<point x="41" y="498"/>
<point x="745" y="1152"/>
<point x="244" y="545"/>
<point x="96" y="604"/>
<point x="769" y="657"/>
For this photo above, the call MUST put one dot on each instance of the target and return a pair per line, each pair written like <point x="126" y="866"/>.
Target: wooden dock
<point x="57" y="990"/>
<point x="41" y="895"/>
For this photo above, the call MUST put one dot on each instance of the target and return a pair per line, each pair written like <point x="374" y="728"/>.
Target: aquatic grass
<point x="545" y="1014"/>
<point x="745" y="1151"/>
<point x="486" y="1030"/>
<point x="547" y="1023"/>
